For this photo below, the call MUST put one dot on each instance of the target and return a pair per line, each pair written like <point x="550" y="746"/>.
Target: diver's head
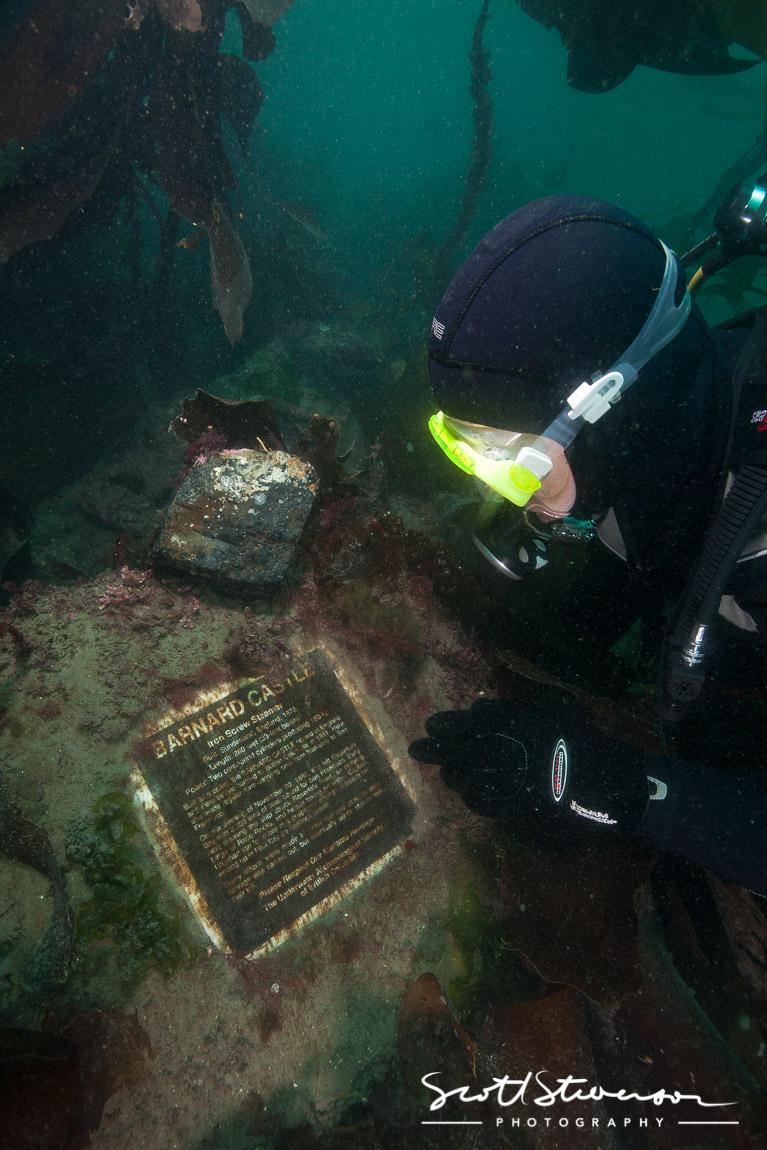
<point x="563" y="292"/>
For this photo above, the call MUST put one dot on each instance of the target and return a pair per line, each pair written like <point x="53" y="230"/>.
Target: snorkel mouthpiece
<point x="524" y="483"/>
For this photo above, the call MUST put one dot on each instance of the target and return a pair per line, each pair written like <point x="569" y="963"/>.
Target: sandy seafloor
<point x="582" y="960"/>
<point x="90" y="669"/>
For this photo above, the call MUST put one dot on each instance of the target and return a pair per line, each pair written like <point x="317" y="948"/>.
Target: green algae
<point x="390" y="626"/>
<point x="492" y="970"/>
<point x="128" y="926"/>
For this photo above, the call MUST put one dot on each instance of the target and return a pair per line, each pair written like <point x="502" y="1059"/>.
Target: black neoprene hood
<point x="555" y="292"/>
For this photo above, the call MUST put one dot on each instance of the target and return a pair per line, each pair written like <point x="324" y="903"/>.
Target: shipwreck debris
<point x="237" y="519"/>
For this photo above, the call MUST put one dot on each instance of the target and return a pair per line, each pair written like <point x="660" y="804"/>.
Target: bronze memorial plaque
<point x="277" y="797"/>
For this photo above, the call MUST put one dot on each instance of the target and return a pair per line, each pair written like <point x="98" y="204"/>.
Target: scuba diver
<point x="580" y="385"/>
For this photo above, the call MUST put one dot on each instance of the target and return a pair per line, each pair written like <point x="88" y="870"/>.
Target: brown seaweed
<point x="48" y="61"/>
<point x="96" y="98"/>
<point x="232" y="281"/>
<point x="241" y="95"/>
<point x="564" y="928"/>
<point x="243" y="422"/>
<point x="661" y="1039"/>
<point x="642" y="1012"/>
<point x="481" y="148"/>
<point x="113" y="1049"/>
<point x="46" y="968"/>
<point x="426" y="1024"/>
<point x="179" y="13"/>
<point x="746" y="931"/>
<point x="54" y="1086"/>
<point x="267" y="11"/>
<point x="39" y="1090"/>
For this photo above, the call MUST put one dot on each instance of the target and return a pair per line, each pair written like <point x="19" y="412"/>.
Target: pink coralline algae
<point x="152" y="602"/>
<point x="129" y="587"/>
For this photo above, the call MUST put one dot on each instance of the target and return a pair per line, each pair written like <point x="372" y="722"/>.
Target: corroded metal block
<point x="237" y="519"/>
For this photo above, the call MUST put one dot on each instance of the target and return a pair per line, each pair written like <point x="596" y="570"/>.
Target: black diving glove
<point x="507" y="759"/>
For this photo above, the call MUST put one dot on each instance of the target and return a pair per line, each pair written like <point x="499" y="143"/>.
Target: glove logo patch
<point x="559" y="764"/>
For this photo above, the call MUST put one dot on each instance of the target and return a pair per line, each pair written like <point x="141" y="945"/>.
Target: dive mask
<point x="517" y="466"/>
